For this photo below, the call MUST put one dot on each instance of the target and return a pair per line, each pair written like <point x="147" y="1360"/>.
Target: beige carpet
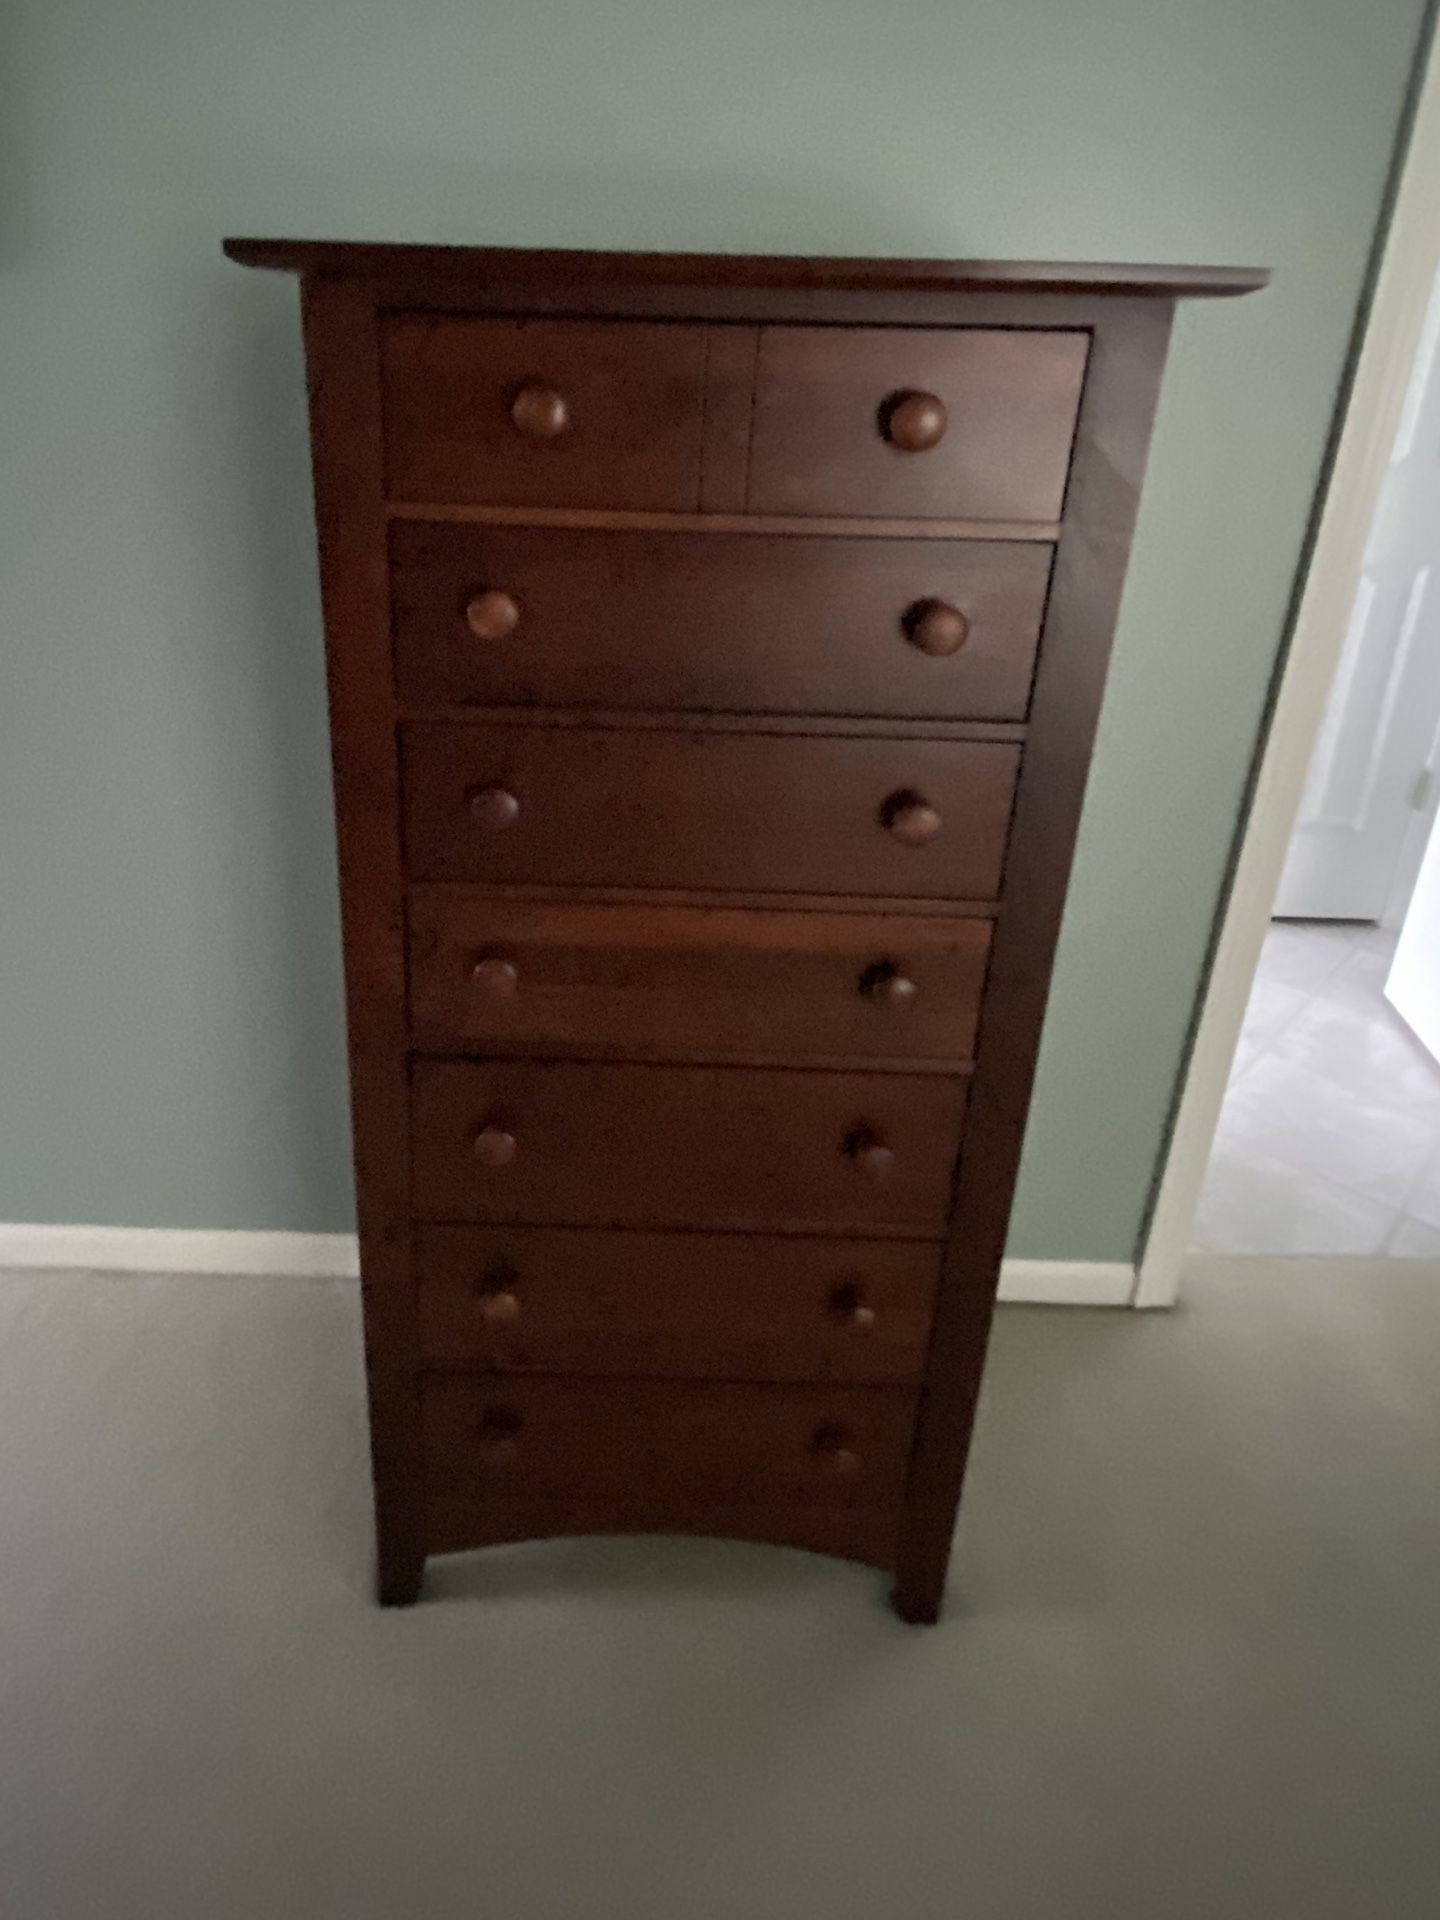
<point x="1191" y="1669"/>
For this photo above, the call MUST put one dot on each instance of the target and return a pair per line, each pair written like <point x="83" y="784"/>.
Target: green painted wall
<point x="170" y="1029"/>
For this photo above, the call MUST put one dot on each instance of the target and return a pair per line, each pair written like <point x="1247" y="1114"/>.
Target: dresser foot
<point x="916" y="1608"/>
<point x="398" y="1578"/>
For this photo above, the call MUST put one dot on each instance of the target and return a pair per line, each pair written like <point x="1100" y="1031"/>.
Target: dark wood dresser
<point x="715" y="647"/>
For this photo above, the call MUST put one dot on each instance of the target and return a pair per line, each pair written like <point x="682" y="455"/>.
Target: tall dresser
<point x="715" y="647"/>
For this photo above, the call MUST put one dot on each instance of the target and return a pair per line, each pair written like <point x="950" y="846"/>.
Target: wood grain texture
<point x="692" y="983"/>
<point x="806" y="526"/>
<point x="730" y="1149"/>
<point x="685" y="621"/>
<point x="688" y="1305"/>
<point x="689" y="1445"/>
<point x="820" y="444"/>
<point x="345" y="436"/>
<point x="1126" y="361"/>
<point x="634" y="397"/>
<point x="624" y="808"/>
<point x="657" y="1292"/>
<point x="545" y="269"/>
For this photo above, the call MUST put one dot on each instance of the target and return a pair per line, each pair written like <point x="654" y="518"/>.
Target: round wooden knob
<point x="494" y="807"/>
<point x="499" y="1433"/>
<point x="540" y="413"/>
<point x="868" y="1154"/>
<point x="494" y="1147"/>
<point x="849" y="1305"/>
<point x="498" y="1306"/>
<point x="492" y="615"/>
<point x="496" y="978"/>
<point x="884" y="985"/>
<point x="911" y="819"/>
<point x="832" y="1448"/>
<point x="915" y="422"/>
<point x="935" y="627"/>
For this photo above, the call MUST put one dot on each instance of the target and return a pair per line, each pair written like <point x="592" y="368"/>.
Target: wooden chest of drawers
<point x="715" y="647"/>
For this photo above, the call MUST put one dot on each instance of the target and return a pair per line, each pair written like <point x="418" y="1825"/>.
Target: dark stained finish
<point x="691" y="983"/>
<point x="345" y="437"/>
<point x="729" y="1149"/>
<point x="620" y="807"/>
<point x="476" y="267"/>
<point x="742" y="623"/>
<point x="555" y="413"/>
<point x="988" y="436"/>
<point x="709" y="761"/>
<point x="688" y="1445"/>
<point x="689" y="1306"/>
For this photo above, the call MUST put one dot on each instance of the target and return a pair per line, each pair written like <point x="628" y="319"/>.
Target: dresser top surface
<point x="781" y="273"/>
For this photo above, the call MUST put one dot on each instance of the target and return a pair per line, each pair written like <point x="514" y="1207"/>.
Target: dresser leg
<point x="399" y="1572"/>
<point x="918" y="1600"/>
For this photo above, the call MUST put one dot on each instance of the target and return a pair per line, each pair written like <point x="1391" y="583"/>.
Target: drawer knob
<point x="494" y="807"/>
<point x="914" y="422"/>
<point x="849" y="1306"/>
<point x="832" y="1447"/>
<point x="499" y="1433"/>
<point x="497" y="1293"/>
<point x="868" y="1153"/>
<point x="492" y="615"/>
<point x="495" y="1146"/>
<point x="496" y="978"/>
<point x="910" y="818"/>
<point x="886" y="986"/>
<point x="540" y="413"/>
<point x="936" y="628"/>
<point x="499" y="1306"/>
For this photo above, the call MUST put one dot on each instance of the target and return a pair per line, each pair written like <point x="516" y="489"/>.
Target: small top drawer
<point x="553" y="413"/>
<point x="959" y="423"/>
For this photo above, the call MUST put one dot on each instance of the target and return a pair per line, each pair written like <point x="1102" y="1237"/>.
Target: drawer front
<point x="528" y="977"/>
<point x="576" y="1440"/>
<point x="561" y="413"/>
<point x="727" y="623"/>
<point x="719" y="1306"/>
<point x="831" y="434"/>
<point x="555" y="1143"/>
<point x="636" y="808"/>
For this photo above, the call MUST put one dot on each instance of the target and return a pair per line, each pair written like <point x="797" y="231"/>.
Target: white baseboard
<point x="1056" y="1283"/>
<point x="1067" y="1283"/>
<point x="179" y="1250"/>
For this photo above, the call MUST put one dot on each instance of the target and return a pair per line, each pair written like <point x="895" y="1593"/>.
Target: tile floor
<point x="1329" y="1141"/>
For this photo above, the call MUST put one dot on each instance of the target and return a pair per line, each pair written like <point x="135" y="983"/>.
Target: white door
<point x="1413" y="988"/>
<point x="1374" y="764"/>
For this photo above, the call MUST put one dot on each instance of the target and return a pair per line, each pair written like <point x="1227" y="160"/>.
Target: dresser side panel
<point x="342" y="365"/>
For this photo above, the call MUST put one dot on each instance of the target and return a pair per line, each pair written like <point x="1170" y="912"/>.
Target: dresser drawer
<point x="542" y="412"/>
<point x="576" y="806"/>
<point x="730" y="623"/>
<point x="529" y="977"/>
<point x="555" y="1143"/>
<point x="845" y="421"/>
<point x="719" y="1306"/>
<point x="669" y="1442"/>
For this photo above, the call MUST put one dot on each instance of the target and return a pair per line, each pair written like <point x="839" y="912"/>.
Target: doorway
<point x="1314" y="1070"/>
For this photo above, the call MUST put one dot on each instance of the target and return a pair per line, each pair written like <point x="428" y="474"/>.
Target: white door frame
<point x="1407" y="274"/>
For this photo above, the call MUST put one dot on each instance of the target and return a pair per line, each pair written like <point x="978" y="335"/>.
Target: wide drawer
<point x="542" y="412"/>
<point x="556" y="1143"/>
<point x="672" y="1443"/>
<point x="730" y="811"/>
<point x="722" y="1306"/>
<point x="846" y="421"/>
<point x="732" y="622"/>
<point x="704" y="982"/>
